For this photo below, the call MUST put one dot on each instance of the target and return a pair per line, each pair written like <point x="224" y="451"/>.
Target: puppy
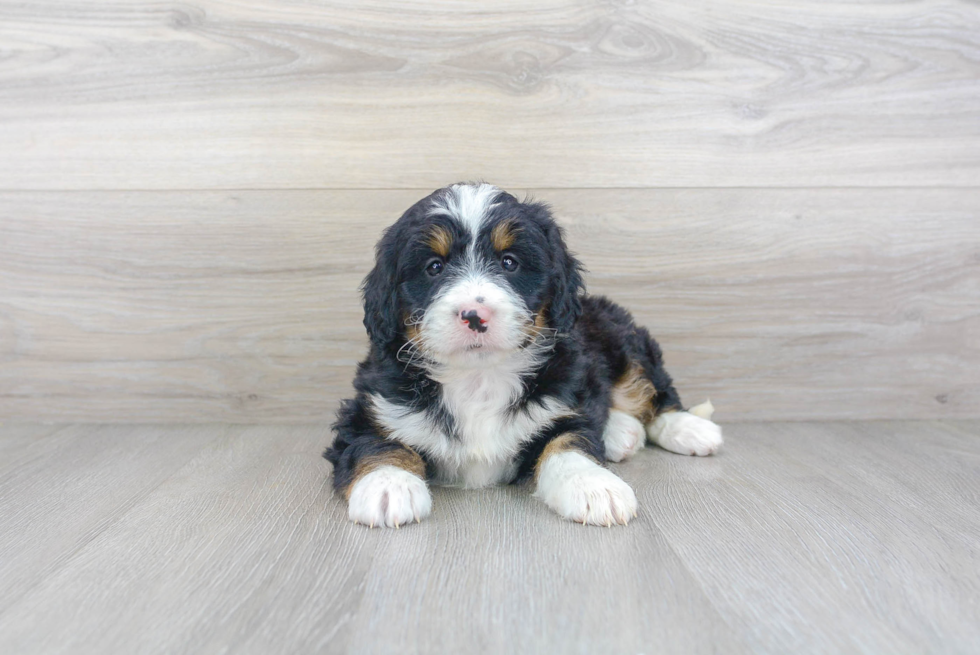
<point x="488" y="364"/>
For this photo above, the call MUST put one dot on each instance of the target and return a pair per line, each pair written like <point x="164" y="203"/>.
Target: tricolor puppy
<point x="489" y="365"/>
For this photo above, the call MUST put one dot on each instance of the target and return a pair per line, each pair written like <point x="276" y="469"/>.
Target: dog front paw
<point x="389" y="497"/>
<point x="623" y="436"/>
<point x="686" y="434"/>
<point x="580" y="490"/>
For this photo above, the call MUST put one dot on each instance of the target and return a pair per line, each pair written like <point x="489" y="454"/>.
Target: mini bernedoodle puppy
<point x="488" y="365"/>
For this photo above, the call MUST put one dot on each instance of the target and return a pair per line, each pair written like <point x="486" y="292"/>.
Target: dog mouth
<point x="482" y="344"/>
<point x="441" y="337"/>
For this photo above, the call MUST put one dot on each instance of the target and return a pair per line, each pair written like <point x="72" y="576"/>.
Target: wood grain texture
<point x="19" y="441"/>
<point x="798" y="527"/>
<point x="100" y="472"/>
<point x="528" y="582"/>
<point x="243" y="306"/>
<point x="798" y="537"/>
<point x="566" y="94"/>
<point x="234" y="551"/>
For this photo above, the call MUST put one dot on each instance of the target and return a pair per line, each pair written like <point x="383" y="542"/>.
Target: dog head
<point x="468" y="272"/>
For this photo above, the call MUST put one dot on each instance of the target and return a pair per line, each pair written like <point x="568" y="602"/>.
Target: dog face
<point x="469" y="272"/>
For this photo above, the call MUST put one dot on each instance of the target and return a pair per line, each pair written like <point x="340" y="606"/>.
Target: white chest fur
<point x="488" y="433"/>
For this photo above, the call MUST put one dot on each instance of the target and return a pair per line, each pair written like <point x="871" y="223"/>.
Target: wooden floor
<point x="799" y="537"/>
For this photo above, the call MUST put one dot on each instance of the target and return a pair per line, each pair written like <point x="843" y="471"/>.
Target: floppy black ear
<point x="567" y="284"/>
<point x="380" y="293"/>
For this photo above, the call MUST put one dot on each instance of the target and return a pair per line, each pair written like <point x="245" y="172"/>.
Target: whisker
<point x="415" y="318"/>
<point x="398" y="355"/>
<point x="411" y="352"/>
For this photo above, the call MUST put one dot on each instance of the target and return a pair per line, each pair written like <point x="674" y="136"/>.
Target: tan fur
<point x="412" y="333"/>
<point x="503" y="235"/>
<point x="539" y="319"/>
<point x="440" y="240"/>
<point x="633" y="393"/>
<point x="404" y="458"/>
<point x="540" y="322"/>
<point x="563" y="443"/>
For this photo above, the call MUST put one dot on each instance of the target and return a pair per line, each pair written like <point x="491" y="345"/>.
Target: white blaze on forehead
<point x="468" y="204"/>
<point x="471" y="277"/>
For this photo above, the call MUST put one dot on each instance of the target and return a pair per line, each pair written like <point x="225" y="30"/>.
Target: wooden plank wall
<point x="788" y="194"/>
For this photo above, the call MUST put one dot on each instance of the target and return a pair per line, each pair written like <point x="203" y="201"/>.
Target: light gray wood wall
<point x="788" y="194"/>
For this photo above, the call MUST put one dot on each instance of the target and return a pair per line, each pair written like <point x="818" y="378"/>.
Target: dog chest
<point x="487" y="431"/>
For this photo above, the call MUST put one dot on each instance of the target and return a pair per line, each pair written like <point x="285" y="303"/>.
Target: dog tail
<point x="705" y="410"/>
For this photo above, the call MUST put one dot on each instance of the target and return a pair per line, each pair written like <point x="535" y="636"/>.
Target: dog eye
<point x="434" y="267"/>
<point x="509" y="263"/>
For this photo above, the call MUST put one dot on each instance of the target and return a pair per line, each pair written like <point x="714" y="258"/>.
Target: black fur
<point x="380" y="291"/>
<point x="595" y="344"/>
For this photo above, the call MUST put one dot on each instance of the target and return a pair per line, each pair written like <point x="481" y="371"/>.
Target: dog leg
<point x="579" y="489"/>
<point x="389" y="496"/>
<point x="623" y="436"/>
<point x="685" y="434"/>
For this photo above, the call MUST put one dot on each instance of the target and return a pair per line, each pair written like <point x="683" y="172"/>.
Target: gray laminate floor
<point x="799" y="537"/>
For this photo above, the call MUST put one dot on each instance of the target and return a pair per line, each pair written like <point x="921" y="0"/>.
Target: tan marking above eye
<point x="440" y="240"/>
<point x="503" y="234"/>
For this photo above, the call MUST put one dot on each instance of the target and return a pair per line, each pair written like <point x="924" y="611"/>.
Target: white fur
<point x="468" y="204"/>
<point x="686" y="434"/>
<point x="623" y="436"/>
<point x="488" y="434"/>
<point x="444" y="338"/>
<point x="480" y="373"/>
<point x="580" y="490"/>
<point x="389" y="497"/>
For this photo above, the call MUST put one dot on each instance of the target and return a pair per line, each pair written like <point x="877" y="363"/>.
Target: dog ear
<point x="380" y="293"/>
<point x="567" y="284"/>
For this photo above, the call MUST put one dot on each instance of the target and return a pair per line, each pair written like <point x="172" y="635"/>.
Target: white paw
<point x="684" y="433"/>
<point x="623" y="436"/>
<point x="389" y="497"/>
<point x="580" y="490"/>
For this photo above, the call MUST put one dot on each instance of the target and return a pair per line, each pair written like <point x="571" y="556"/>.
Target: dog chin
<point x="477" y="351"/>
<point x="474" y="354"/>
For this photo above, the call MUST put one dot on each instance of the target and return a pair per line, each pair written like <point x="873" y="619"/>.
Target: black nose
<point x="473" y="319"/>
